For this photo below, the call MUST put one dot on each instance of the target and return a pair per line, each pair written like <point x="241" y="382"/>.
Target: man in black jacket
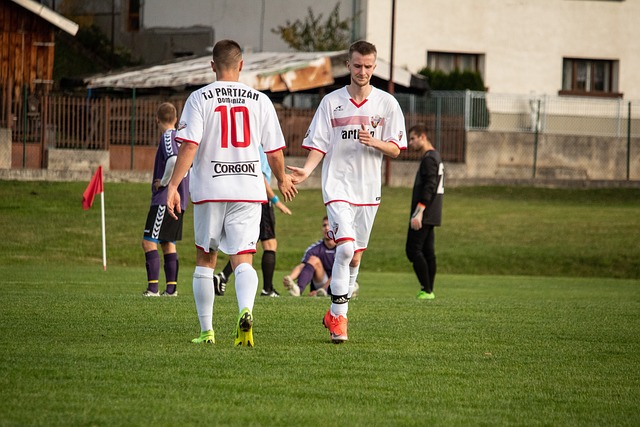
<point x="426" y="210"/>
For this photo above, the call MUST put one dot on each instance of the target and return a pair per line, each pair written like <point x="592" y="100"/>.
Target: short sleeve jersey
<point x="229" y="121"/>
<point x="167" y="147"/>
<point x="351" y="171"/>
<point x="320" y="250"/>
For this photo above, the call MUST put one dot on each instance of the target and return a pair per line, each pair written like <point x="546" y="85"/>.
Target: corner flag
<point x="96" y="187"/>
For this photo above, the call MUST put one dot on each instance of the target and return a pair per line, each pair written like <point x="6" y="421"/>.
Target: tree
<point x="87" y="53"/>
<point x="314" y="36"/>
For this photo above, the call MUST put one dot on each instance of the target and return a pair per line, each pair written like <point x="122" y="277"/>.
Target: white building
<point x="519" y="46"/>
<point x="550" y="47"/>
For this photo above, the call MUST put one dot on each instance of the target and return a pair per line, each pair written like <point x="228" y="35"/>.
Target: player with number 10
<point x="221" y="127"/>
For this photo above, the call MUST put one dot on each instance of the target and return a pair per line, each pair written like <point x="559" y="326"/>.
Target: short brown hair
<point x="167" y="113"/>
<point x="419" y="129"/>
<point x="227" y="54"/>
<point x="363" y="48"/>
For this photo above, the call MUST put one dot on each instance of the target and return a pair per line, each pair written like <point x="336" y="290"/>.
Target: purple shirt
<point x="168" y="147"/>
<point x="325" y="254"/>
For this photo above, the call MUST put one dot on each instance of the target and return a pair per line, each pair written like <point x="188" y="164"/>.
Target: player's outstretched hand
<point x="287" y="188"/>
<point x="283" y="208"/>
<point x="297" y="175"/>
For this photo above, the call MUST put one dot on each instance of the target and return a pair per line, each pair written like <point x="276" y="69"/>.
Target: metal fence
<point x="560" y="115"/>
<point x="126" y="124"/>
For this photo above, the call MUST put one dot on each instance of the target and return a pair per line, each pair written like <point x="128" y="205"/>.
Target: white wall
<point x="524" y="40"/>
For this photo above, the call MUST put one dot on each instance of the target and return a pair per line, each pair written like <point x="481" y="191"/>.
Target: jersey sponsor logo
<point x="235" y="168"/>
<point x="353" y="133"/>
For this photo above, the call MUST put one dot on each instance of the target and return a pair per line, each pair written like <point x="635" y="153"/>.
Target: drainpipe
<point x="535" y="140"/>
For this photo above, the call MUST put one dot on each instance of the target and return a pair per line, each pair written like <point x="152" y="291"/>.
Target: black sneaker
<point x="273" y="293"/>
<point x="219" y="285"/>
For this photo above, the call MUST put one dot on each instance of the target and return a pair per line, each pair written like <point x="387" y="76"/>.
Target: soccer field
<point x="535" y="322"/>
<point x="82" y="347"/>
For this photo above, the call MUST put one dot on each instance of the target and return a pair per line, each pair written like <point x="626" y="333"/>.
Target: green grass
<point x="486" y="230"/>
<point x="81" y="347"/>
<point x="535" y="322"/>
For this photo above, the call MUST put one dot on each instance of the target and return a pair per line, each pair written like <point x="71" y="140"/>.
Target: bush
<point x="455" y="80"/>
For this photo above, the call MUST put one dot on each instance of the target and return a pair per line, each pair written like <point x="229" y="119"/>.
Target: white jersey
<point x="228" y="121"/>
<point x="351" y="171"/>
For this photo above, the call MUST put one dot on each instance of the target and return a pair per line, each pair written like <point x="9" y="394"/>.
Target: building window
<point x="589" y="77"/>
<point x="133" y="15"/>
<point x="448" y="62"/>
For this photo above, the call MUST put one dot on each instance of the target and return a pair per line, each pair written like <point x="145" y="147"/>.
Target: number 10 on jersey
<point x="236" y="118"/>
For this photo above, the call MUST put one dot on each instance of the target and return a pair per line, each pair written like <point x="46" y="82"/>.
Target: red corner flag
<point x="94" y="187"/>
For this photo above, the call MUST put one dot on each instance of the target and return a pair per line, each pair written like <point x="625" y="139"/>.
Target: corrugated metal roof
<point x="49" y="15"/>
<point x="273" y="71"/>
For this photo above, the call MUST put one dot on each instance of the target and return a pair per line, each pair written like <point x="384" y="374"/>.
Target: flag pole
<point x="96" y="185"/>
<point x="104" y="237"/>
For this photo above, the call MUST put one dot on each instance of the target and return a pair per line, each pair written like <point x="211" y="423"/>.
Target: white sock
<point x="321" y="283"/>
<point x="340" y="277"/>
<point x="246" y="286"/>
<point x="353" y="275"/>
<point x="204" y="296"/>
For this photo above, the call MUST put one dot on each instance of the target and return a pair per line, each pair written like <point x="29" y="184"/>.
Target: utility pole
<point x="113" y="24"/>
<point x="393" y="36"/>
<point x="391" y="88"/>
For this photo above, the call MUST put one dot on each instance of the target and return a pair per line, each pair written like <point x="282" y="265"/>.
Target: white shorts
<point x="232" y="227"/>
<point x="351" y="222"/>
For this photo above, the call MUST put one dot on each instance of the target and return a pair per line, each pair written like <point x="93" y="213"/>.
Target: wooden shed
<point x="27" y="43"/>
